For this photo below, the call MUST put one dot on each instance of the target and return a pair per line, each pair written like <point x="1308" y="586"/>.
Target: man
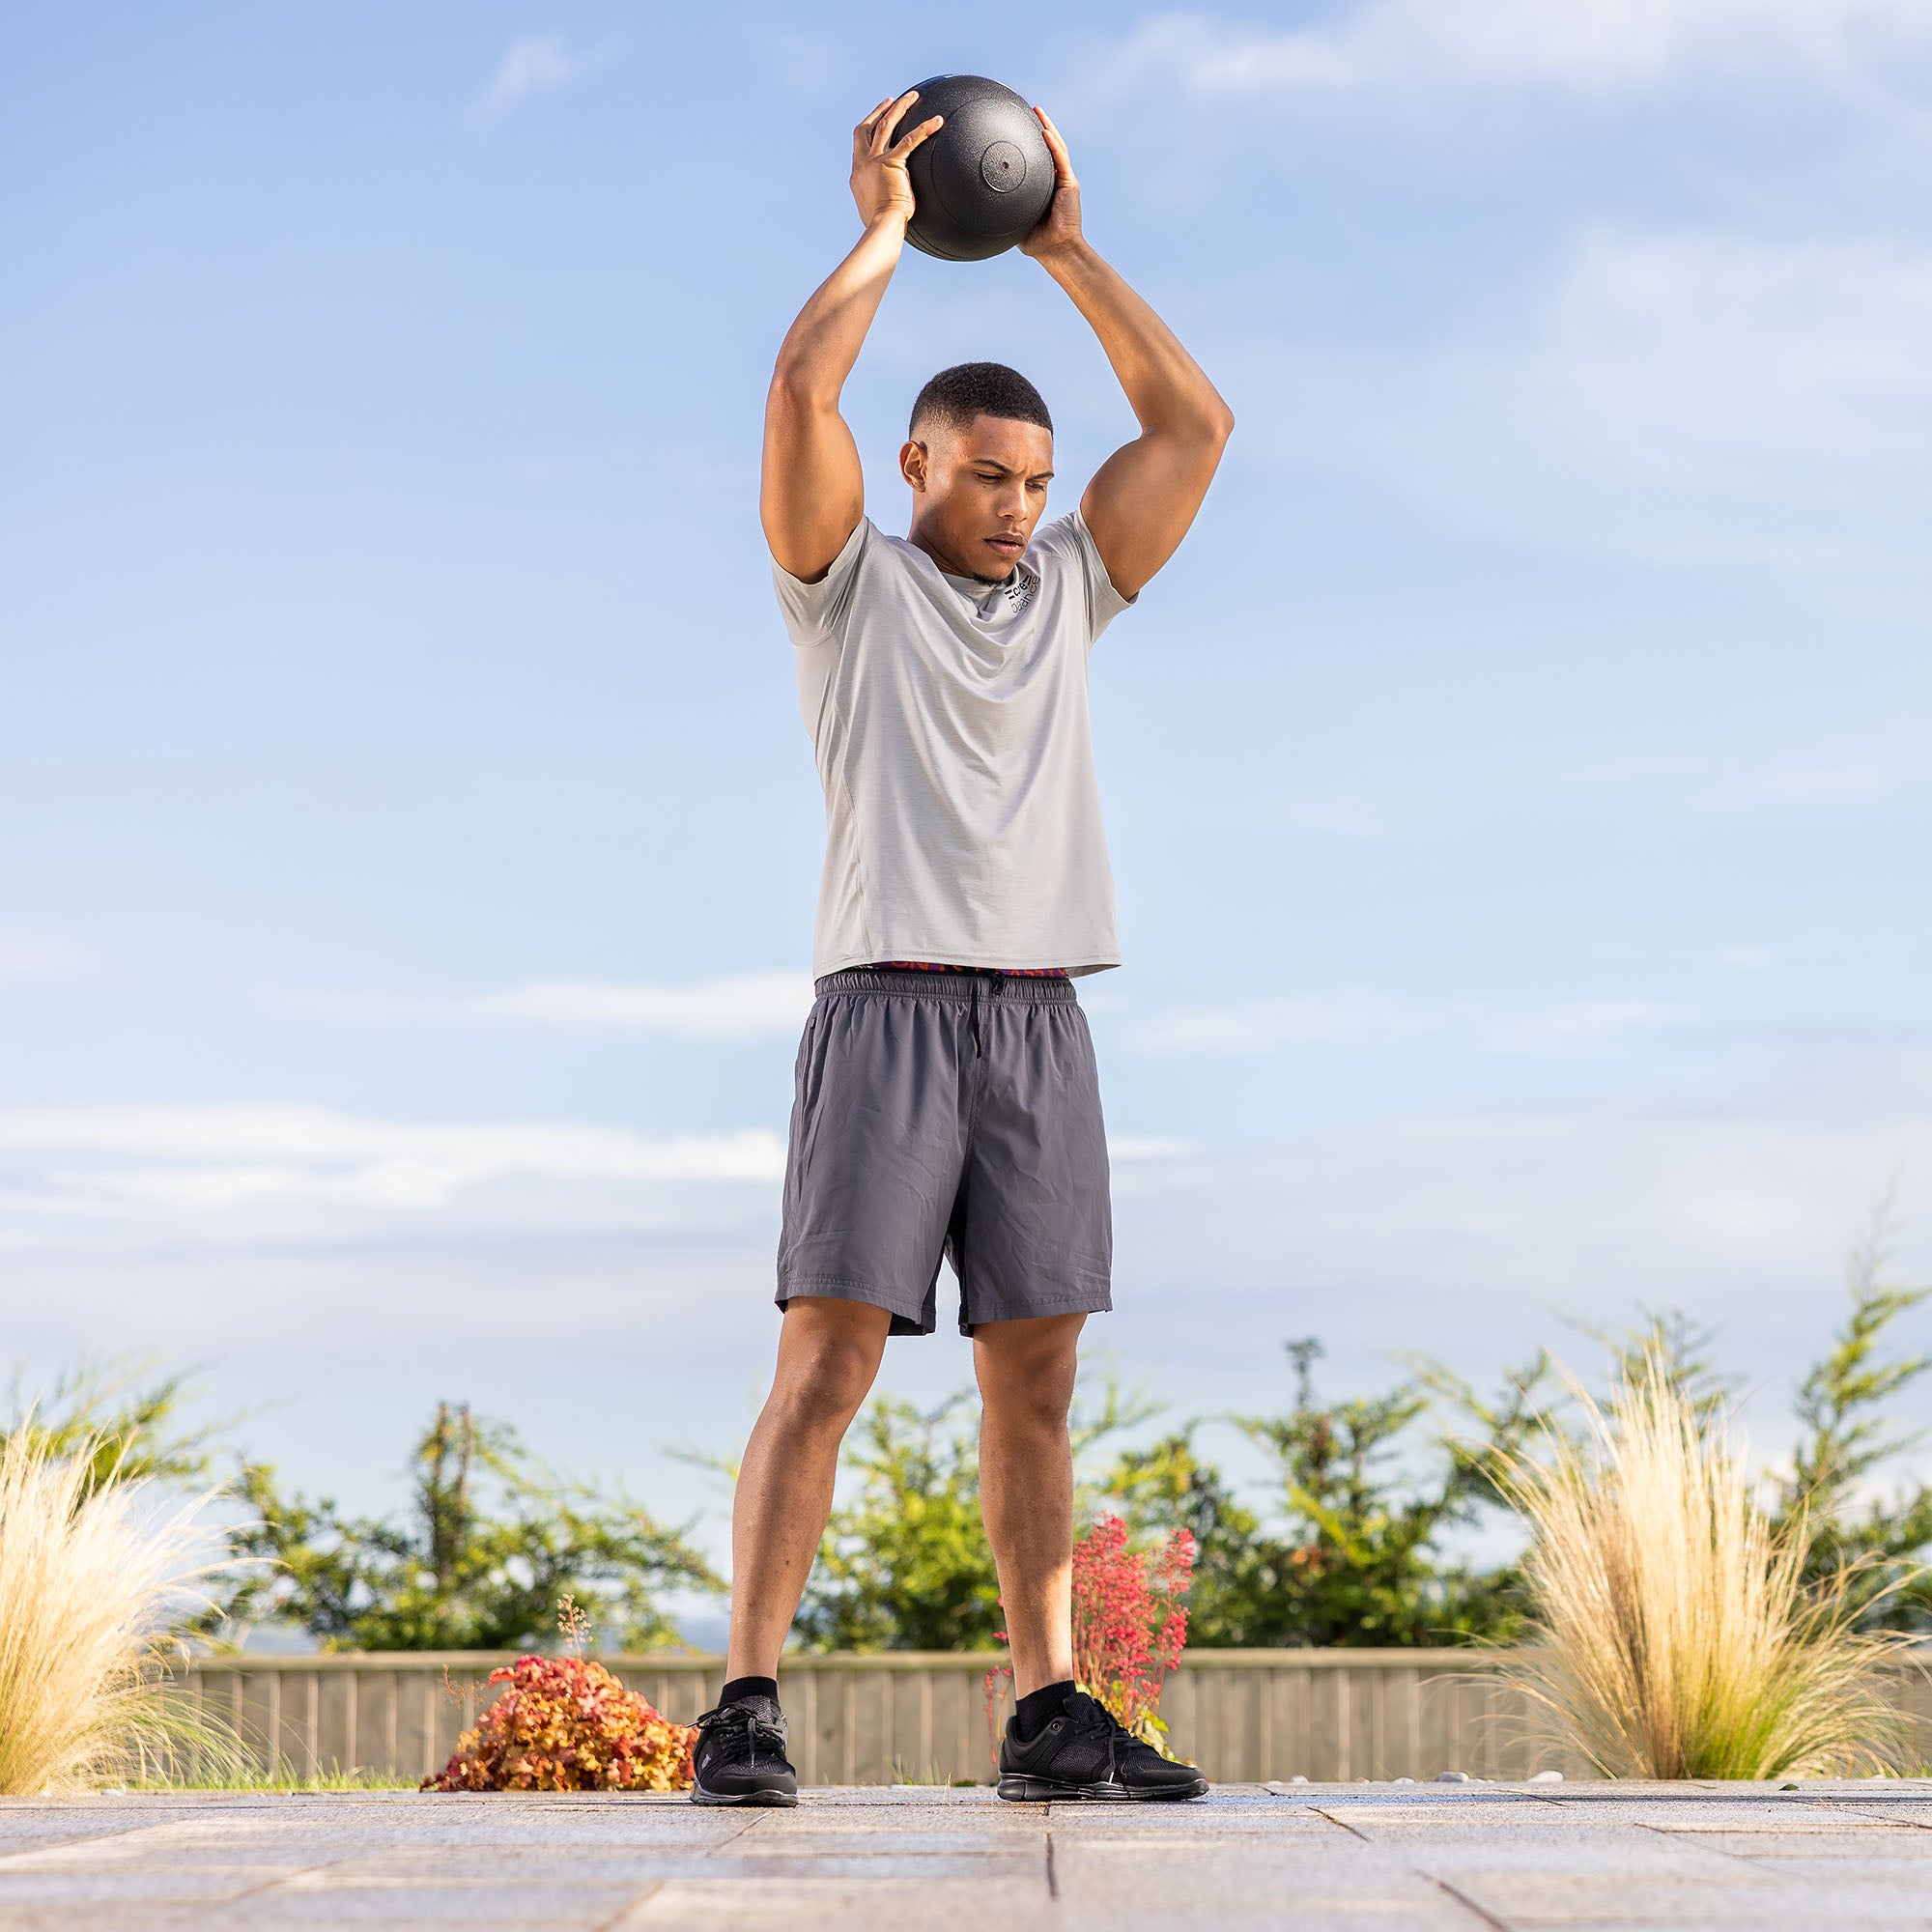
<point x="946" y="1099"/>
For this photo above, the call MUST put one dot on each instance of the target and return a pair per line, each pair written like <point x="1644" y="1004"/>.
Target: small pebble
<point x="1298" y="1778"/>
<point x="1451" y="1777"/>
<point x="1546" y="1777"/>
<point x="1402" y="1780"/>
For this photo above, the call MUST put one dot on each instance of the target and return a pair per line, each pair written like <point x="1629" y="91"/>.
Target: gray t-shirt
<point x="950" y="724"/>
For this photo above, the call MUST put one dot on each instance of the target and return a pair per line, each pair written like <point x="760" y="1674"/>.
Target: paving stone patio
<point x="1310" y="1856"/>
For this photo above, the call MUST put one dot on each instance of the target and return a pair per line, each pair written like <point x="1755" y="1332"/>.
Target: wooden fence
<point x="922" y="1717"/>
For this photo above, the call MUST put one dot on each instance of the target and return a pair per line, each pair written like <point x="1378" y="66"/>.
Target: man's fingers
<point x="862" y="132"/>
<point x="1056" y="144"/>
<point x="906" y="143"/>
<point x="894" y="111"/>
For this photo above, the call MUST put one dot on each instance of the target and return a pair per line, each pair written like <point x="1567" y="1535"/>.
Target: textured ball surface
<point x="980" y="184"/>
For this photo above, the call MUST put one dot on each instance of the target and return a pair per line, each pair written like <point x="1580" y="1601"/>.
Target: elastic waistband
<point x="961" y="989"/>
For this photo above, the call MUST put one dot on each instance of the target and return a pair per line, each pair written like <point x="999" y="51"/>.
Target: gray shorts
<point x="946" y="1114"/>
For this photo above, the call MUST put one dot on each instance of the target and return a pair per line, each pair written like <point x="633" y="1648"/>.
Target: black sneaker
<point x="1085" y="1752"/>
<point x="740" y="1758"/>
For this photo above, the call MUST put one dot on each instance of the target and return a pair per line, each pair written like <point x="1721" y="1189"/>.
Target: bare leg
<point x="1026" y="1485"/>
<point x="828" y="1353"/>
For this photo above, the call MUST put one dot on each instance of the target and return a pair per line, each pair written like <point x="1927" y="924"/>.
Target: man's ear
<point x="912" y="466"/>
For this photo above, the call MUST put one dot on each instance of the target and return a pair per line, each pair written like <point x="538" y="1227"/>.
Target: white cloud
<point x="1256" y="1026"/>
<point x="746" y="1005"/>
<point x="1459" y="1234"/>
<point x="1880" y="775"/>
<point x="1582" y="45"/>
<point x="609" y="1317"/>
<point x="1145" y="1146"/>
<point x="1686" y="396"/>
<point x="1317" y="815"/>
<point x="36" y="956"/>
<point x="538" y="65"/>
<point x="1578" y="1022"/>
<point x="608" y="1314"/>
<point x="738" y="1007"/>
<point x="109" y="1164"/>
<point x="1726" y="355"/>
<point x="278" y="1172"/>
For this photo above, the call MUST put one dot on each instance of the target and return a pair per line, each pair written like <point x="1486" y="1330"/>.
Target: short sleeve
<point x="814" y="612"/>
<point x="1069" y="540"/>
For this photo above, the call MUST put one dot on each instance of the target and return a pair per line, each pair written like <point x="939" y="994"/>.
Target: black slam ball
<point x="982" y="182"/>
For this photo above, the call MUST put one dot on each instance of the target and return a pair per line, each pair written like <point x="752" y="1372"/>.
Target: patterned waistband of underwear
<point x="1005" y="972"/>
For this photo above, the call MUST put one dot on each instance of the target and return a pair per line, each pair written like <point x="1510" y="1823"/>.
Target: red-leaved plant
<point x="1129" y="1625"/>
<point x="567" y="1724"/>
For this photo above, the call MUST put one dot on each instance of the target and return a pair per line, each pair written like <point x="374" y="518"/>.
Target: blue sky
<point x="1518" y="785"/>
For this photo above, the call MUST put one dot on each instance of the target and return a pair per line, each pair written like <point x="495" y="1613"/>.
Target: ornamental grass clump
<point x="567" y="1724"/>
<point x="96" y="1576"/>
<point x="1672" y="1634"/>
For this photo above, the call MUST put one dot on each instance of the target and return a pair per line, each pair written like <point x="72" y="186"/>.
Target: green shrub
<point x="493" y="1542"/>
<point x="905" y="1565"/>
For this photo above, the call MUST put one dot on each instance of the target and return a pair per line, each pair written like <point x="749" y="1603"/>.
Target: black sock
<point x="748" y="1686"/>
<point x="1037" y="1708"/>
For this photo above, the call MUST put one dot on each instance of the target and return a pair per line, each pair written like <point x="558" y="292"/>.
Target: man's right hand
<point x="880" y="184"/>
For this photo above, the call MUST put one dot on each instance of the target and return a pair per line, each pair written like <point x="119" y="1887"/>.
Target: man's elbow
<point x="1205" y="426"/>
<point x="799" y="390"/>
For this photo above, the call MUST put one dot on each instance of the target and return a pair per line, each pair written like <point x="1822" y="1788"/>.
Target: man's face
<point x="977" y="492"/>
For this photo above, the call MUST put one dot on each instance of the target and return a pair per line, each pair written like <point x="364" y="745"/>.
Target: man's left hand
<point x="1059" y="226"/>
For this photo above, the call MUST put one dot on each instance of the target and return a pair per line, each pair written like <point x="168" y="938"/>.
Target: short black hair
<point x="969" y="389"/>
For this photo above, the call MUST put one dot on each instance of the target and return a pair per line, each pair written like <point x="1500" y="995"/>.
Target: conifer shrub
<point x="566" y="1725"/>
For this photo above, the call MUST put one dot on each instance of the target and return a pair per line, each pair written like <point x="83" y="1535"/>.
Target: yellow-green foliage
<point x="94" y="1575"/>
<point x="1674" y="1634"/>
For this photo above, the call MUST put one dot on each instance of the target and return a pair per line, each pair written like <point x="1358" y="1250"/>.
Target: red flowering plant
<point x="567" y="1724"/>
<point x="1129" y="1624"/>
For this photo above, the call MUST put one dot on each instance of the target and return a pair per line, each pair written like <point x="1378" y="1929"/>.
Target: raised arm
<point x="1145" y="495"/>
<point x="812" y="492"/>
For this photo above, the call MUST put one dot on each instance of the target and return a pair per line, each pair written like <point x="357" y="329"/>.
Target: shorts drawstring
<point x="991" y="989"/>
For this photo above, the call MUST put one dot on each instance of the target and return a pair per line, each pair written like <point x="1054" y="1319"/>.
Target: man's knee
<point x="1039" y="1402"/>
<point x="1027" y="1378"/>
<point x="826" y="1365"/>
